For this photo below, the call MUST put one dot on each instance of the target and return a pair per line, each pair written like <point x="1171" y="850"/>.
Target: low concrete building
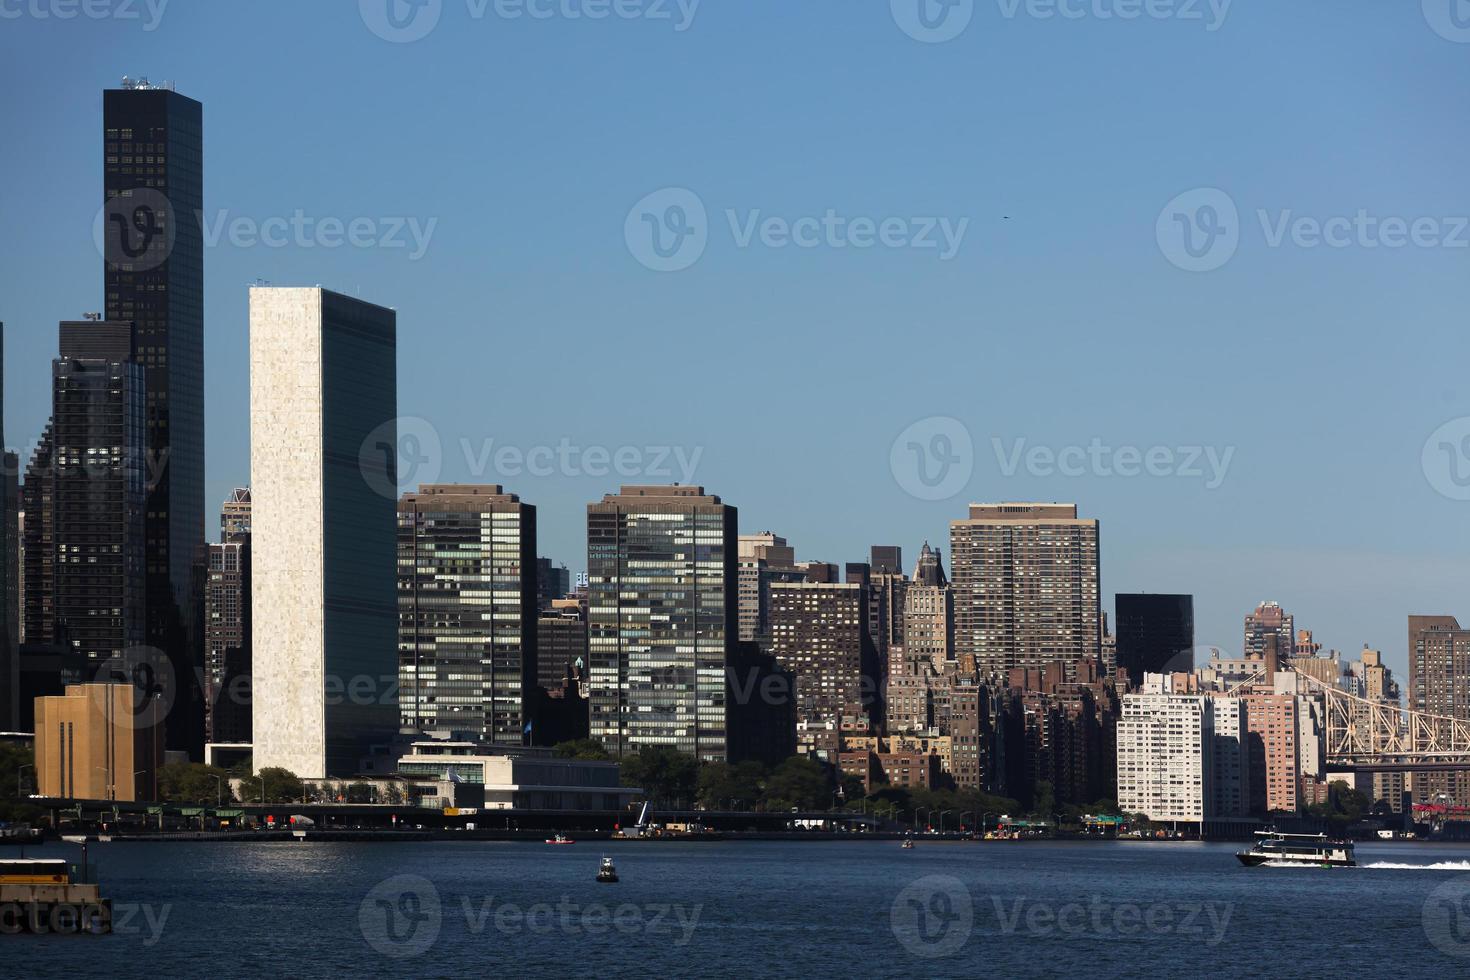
<point x="98" y="742"/>
<point x="516" y="778"/>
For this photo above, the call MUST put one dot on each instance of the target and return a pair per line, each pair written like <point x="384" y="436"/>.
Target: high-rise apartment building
<point x="323" y="461"/>
<point x="1025" y="578"/>
<point x="762" y="559"/>
<point x="1439" y="684"/>
<point x="467" y="612"/>
<point x="1155" y="634"/>
<point x="928" y="615"/>
<point x="227" y="624"/>
<point x="663" y="619"/>
<point x="1268" y="620"/>
<point x="819" y="632"/>
<point x="1182" y="757"/>
<point x="153" y="188"/>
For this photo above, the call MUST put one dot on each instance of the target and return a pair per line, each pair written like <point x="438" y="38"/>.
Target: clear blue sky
<point x="528" y="321"/>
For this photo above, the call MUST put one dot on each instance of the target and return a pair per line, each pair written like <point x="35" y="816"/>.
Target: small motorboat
<point x="908" y="844"/>
<point x="560" y="839"/>
<point x="608" y="873"/>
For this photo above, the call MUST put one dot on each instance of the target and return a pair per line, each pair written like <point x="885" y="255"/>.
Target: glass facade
<point x="467" y="612"/>
<point x="153" y="182"/>
<point x="663" y="613"/>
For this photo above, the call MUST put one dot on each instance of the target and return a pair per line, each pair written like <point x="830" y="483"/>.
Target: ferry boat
<point x="41" y="895"/>
<point x="608" y="873"/>
<point x="1306" y="850"/>
<point x="560" y="839"/>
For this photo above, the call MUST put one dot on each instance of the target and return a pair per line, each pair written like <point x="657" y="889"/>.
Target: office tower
<point x="98" y="742"/>
<point x="928" y="614"/>
<point x="762" y="559"/>
<point x="39" y="566"/>
<point x="819" y="632"/>
<point x="886" y="559"/>
<point x="99" y="490"/>
<point x="153" y="188"/>
<point x="1269" y="620"/>
<point x="9" y="624"/>
<point x="561" y="643"/>
<point x="1026" y="586"/>
<point x="552" y="583"/>
<point x="1439" y="684"/>
<point x="227" y="630"/>
<point x="323" y="463"/>
<point x="1155" y="634"/>
<point x="234" y="516"/>
<point x="663" y="619"/>
<point x="467" y="612"/>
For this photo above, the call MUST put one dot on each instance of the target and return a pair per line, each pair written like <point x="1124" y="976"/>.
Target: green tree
<point x="17" y="782"/>
<point x="666" y="776"/>
<point x="190" y="782"/>
<point x="801" y="783"/>
<point x="736" y="787"/>
<point x="586" y="749"/>
<point x="281" y="786"/>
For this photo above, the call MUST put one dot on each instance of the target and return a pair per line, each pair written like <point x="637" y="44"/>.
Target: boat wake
<point x="1437" y="866"/>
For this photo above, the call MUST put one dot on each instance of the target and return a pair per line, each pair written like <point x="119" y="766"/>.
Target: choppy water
<point x="775" y="909"/>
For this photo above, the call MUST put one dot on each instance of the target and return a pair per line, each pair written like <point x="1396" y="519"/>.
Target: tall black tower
<point x="153" y="179"/>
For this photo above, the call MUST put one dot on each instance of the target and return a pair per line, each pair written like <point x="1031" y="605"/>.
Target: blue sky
<point x="519" y="148"/>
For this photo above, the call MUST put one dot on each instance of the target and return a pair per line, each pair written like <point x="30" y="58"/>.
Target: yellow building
<point x="97" y="742"/>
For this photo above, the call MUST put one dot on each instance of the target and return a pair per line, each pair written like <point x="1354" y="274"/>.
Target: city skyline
<point x="1165" y="364"/>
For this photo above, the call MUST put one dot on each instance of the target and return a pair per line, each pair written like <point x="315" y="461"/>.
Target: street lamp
<point x="918" y="810"/>
<point x="962" y="817"/>
<point x="19" y="785"/>
<point x="108" y="787"/>
<point x="941" y="820"/>
<point x="219" y="790"/>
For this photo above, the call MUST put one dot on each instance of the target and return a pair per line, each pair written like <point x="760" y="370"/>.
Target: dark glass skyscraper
<point x="98" y="490"/>
<point x="9" y="628"/>
<point x="1155" y="634"/>
<point x="153" y="181"/>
